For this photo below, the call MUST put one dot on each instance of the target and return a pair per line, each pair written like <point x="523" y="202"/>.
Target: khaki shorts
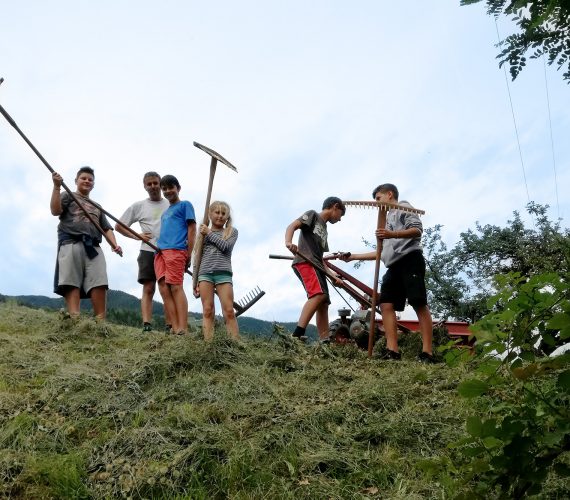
<point x="79" y="271"/>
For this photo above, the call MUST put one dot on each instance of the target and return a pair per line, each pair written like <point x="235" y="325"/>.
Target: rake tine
<point x="252" y="297"/>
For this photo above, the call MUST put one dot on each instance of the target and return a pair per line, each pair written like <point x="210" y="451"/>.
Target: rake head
<point x="215" y="155"/>
<point x="383" y="206"/>
<point x="246" y="302"/>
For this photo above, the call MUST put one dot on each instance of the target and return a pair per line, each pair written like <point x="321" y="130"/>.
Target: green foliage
<point x="523" y="440"/>
<point x="461" y="280"/>
<point x="544" y="30"/>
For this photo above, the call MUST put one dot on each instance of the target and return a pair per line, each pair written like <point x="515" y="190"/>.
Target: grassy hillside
<point x="124" y="308"/>
<point x="90" y="410"/>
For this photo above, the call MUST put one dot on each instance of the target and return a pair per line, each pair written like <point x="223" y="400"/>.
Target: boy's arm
<point x="191" y="238"/>
<point x="113" y="242"/>
<point x="289" y="232"/>
<point x="55" y="201"/>
<point x="349" y="256"/>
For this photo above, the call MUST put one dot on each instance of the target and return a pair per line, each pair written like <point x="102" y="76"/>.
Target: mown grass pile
<point x="102" y="411"/>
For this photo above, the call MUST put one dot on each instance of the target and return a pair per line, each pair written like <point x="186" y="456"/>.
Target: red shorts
<point x="170" y="265"/>
<point x="313" y="279"/>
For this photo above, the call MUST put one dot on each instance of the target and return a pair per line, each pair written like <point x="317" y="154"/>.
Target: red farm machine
<point x="353" y="325"/>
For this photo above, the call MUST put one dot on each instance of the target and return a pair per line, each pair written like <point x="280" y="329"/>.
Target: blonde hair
<point x="228" y="225"/>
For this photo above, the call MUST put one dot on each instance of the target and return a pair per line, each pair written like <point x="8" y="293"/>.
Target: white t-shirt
<point x="147" y="213"/>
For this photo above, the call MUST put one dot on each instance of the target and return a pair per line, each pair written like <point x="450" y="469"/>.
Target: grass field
<point x="101" y="411"/>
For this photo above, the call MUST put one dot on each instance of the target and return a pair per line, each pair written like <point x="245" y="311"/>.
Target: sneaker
<point x="427" y="358"/>
<point x="168" y="329"/>
<point x="388" y="354"/>
<point x="147" y="328"/>
<point x="325" y="341"/>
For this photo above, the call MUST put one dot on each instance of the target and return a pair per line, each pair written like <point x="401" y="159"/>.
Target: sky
<point x="308" y="99"/>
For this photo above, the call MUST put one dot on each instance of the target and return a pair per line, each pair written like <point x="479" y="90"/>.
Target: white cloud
<point x="306" y="99"/>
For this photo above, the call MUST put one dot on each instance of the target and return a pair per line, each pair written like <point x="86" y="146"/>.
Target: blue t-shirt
<point x="174" y="226"/>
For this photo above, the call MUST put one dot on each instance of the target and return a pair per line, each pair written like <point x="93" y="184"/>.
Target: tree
<point x="544" y="29"/>
<point x="461" y="280"/>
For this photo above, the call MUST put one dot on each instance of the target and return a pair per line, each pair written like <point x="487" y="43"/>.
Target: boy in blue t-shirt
<point x="176" y="242"/>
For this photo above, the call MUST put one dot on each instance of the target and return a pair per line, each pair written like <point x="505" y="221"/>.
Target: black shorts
<point x="405" y="279"/>
<point x="146" y="266"/>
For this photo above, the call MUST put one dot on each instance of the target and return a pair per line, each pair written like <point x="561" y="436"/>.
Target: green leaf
<point x="473" y="451"/>
<point x="479" y="466"/>
<point x="474" y="426"/>
<point x="563" y="380"/>
<point x="523" y="373"/>
<point x="552" y="438"/>
<point x="559" y="321"/>
<point x="472" y="388"/>
<point x="491" y="442"/>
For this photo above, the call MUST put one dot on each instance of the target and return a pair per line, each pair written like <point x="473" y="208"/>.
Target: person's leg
<point x="180" y="308"/>
<point x="310" y="308"/>
<point x="226" y="296"/>
<point x="168" y="302"/>
<point x="323" y="320"/>
<point x="426" y="327"/>
<point x="390" y="323"/>
<point x="72" y="301"/>
<point x="417" y="297"/>
<point x="146" y="301"/>
<point x="208" y="310"/>
<point x="98" y="297"/>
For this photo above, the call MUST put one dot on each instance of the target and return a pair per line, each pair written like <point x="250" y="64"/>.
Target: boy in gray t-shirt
<point x="311" y="246"/>
<point x="405" y="277"/>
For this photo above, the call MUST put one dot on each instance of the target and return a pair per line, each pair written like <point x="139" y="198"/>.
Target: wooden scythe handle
<point x="199" y="246"/>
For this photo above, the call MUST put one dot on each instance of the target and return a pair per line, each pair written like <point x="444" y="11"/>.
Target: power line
<point x="551" y="138"/>
<point x="514" y="120"/>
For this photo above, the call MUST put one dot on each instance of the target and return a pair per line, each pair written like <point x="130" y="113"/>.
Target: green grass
<point x="94" y="411"/>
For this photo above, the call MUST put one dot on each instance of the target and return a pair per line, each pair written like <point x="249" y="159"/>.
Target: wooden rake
<point x="199" y="245"/>
<point x="382" y="208"/>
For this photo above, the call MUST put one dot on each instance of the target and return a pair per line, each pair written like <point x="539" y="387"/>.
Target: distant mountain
<point x="125" y="308"/>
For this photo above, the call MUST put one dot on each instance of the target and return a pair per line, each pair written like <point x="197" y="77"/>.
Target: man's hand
<point x="118" y="250"/>
<point x="146" y="237"/>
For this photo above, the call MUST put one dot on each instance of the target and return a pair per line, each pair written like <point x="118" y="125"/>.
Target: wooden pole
<point x="92" y="219"/>
<point x="381" y="224"/>
<point x="199" y="246"/>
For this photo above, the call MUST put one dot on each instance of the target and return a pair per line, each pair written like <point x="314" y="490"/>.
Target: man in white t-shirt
<point x="147" y="213"/>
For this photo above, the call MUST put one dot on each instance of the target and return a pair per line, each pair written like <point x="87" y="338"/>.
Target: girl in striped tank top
<point x="215" y="273"/>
